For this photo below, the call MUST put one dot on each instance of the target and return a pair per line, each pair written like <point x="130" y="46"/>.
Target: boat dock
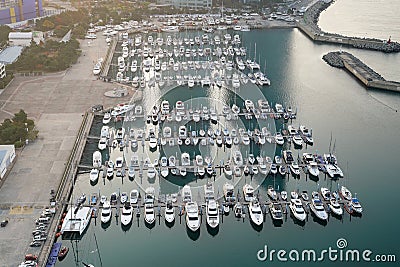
<point x="362" y="72"/>
<point x="309" y="26"/>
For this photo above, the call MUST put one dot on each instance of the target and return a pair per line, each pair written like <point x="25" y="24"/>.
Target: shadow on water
<point x="213" y="231"/>
<point x="150" y="225"/>
<point x="319" y="221"/>
<point x="277" y="223"/>
<point x="170" y="224"/>
<point x="298" y="222"/>
<point x="106" y="225"/>
<point x="193" y="235"/>
<point x="126" y="228"/>
<point x="256" y="227"/>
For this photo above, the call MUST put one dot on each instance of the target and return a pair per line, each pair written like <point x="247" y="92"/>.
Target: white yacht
<point x="96" y="159"/>
<point x="306" y="134"/>
<point x="169" y="212"/>
<point x="164" y="167"/>
<point x="209" y="191"/>
<point x="151" y="171"/>
<point x="356" y="205"/>
<point x="326" y="194"/>
<point x="255" y="212"/>
<point x="192" y="216"/>
<point x="121" y="109"/>
<point x="238" y="210"/>
<point x="332" y="167"/>
<point x="102" y="143"/>
<point x="229" y="194"/>
<point x="94" y="175"/>
<point x="279" y="139"/>
<point x="165" y="107"/>
<point x="248" y="193"/>
<point x="294" y="167"/>
<point x="133" y="197"/>
<point x="126" y="214"/>
<point x="297" y="209"/>
<point x="317" y="208"/>
<point x="335" y="207"/>
<point x="105" y="132"/>
<point x="149" y="213"/>
<point x="237" y="158"/>
<point x="212" y="214"/>
<point x="76" y="220"/>
<point x="186" y="194"/>
<point x="106" y="212"/>
<point x="345" y="193"/>
<point x="200" y="166"/>
<point x="272" y="193"/>
<point x="275" y="209"/>
<point x="107" y="118"/>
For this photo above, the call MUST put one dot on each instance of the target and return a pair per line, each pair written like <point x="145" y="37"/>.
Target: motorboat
<point x="237" y="158"/>
<point x="294" y="195"/>
<point x="249" y="105"/>
<point x="76" y="220"/>
<point x="106" y="118"/>
<point x="209" y="191"/>
<point x="326" y="194"/>
<point x="288" y="156"/>
<point x="124" y="197"/>
<point x="237" y="172"/>
<point x="229" y="195"/>
<point x="97" y="159"/>
<point x="105" y="132"/>
<point x="248" y="193"/>
<point x="355" y="206"/>
<point x="335" y="207"/>
<point x="126" y="214"/>
<point x="121" y="109"/>
<point x="272" y="193"/>
<point x="169" y="213"/>
<point x="133" y="197"/>
<point x="94" y="175"/>
<point x="306" y="134"/>
<point x="345" y="193"/>
<point x="192" y="216"/>
<point x="332" y="167"/>
<point x="212" y="214"/>
<point x="186" y="194"/>
<point x="151" y="171"/>
<point x="131" y="172"/>
<point x="120" y="134"/>
<point x="276" y="211"/>
<point x="297" y="209"/>
<point x="200" y="167"/>
<point x="294" y="167"/>
<point x="251" y="159"/>
<point x="106" y="212"/>
<point x="317" y="207"/>
<point x="238" y="210"/>
<point x="304" y="195"/>
<point x="103" y="199"/>
<point x="227" y="169"/>
<point x="255" y="212"/>
<point x="102" y="143"/>
<point x="149" y="213"/>
<point x="297" y="140"/>
<point x="284" y="195"/>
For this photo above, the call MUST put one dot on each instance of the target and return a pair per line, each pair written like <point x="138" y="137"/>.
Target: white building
<point x="195" y="4"/>
<point x="7" y="155"/>
<point x="20" y="38"/>
<point x="2" y="70"/>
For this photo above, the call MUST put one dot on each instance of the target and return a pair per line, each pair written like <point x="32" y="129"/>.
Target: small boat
<point x="335" y="207"/>
<point x="326" y="194"/>
<point x="297" y="209"/>
<point x="212" y="214"/>
<point x="94" y="175"/>
<point x="106" y="212"/>
<point x="106" y="118"/>
<point x="227" y="169"/>
<point x="96" y="159"/>
<point x="317" y="207"/>
<point x="133" y="197"/>
<point x="149" y="213"/>
<point x="103" y="199"/>
<point x="248" y="193"/>
<point x="272" y="193"/>
<point x="228" y="190"/>
<point x="238" y="210"/>
<point x="200" y="167"/>
<point x="124" y="197"/>
<point x="304" y="195"/>
<point x="237" y="158"/>
<point x="192" y="216"/>
<point x="345" y="193"/>
<point x="276" y="211"/>
<point x="255" y="212"/>
<point x="294" y="195"/>
<point x="284" y="195"/>
<point x="294" y="167"/>
<point x="151" y="171"/>
<point x="102" y="143"/>
<point x="62" y="253"/>
<point x="186" y="194"/>
<point x="126" y="214"/>
<point x="355" y="206"/>
<point x="169" y="212"/>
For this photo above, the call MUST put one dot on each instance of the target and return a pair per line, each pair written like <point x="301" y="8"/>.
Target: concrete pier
<point x="362" y="72"/>
<point x="309" y="26"/>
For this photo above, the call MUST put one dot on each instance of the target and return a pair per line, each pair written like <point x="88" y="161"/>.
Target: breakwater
<point x="309" y="26"/>
<point x="362" y="72"/>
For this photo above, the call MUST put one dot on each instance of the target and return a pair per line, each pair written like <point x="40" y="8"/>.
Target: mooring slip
<point x="361" y="71"/>
<point x="309" y="25"/>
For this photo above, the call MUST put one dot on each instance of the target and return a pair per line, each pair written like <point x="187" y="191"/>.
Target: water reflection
<point x="193" y="235"/>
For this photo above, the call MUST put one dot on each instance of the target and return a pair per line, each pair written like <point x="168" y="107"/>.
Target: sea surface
<point x="363" y="125"/>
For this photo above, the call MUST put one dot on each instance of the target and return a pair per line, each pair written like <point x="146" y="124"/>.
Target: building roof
<point x="20" y="35"/>
<point x="10" y="54"/>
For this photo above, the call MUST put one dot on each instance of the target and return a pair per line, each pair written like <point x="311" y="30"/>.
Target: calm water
<point x="363" y="123"/>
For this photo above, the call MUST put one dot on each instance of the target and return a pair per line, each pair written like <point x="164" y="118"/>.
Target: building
<point x="195" y="4"/>
<point x="7" y="156"/>
<point x="12" y="11"/>
<point x="2" y="70"/>
<point x="20" y="38"/>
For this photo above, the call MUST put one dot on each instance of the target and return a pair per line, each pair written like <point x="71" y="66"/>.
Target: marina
<point x="192" y="166"/>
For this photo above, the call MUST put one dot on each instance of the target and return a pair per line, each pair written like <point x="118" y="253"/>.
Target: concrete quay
<point x="309" y="26"/>
<point x="362" y="72"/>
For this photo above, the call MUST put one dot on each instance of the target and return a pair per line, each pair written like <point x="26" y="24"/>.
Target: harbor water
<point x="363" y="124"/>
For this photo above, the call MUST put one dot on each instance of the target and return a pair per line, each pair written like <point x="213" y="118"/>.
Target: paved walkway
<point x="56" y="102"/>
